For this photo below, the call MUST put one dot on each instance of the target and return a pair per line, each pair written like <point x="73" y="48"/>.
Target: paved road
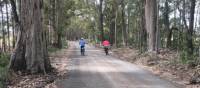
<point x="96" y="70"/>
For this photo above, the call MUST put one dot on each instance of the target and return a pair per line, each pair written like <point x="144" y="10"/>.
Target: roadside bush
<point x="64" y="44"/>
<point x="190" y="60"/>
<point x="54" y="49"/>
<point x="3" y="76"/>
<point x="4" y="60"/>
<point x="184" y="57"/>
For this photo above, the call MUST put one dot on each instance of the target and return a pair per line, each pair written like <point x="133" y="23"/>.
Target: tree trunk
<point x="101" y="20"/>
<point x="53" y="19"/>
<point x="191" y="27"/>
<point x="30" y="49"/>
<point x="59" y="23"/>
<point x="151" y="21"/>
<point x="112" y="30"/>
<point x="59" y="41"/>
<point x="8" y="25"/>
<point x="184" y="14"/>
<point x="167" y="23"/>
<point x="116" y="16"/>
<point x="124" y="30"/>
<point x="158" y="39"/>
<point x="3" y="31"/>
<point x="13" y="33"/>
<point x="143" y="32"/>
<point x="17" y="61"/>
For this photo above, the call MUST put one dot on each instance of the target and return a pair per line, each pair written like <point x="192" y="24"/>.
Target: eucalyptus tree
<point x="167" y="23"/>
<point x="101" y="19"/>
<point x="8" y="23"/>
<point x="190" y="29"/>
<point x="151" y="24"/>
<point x="3" y="28"/>
<point x="30" y="52"/>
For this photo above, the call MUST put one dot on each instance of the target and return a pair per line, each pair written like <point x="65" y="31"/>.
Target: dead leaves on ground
<point x="59" y="62"/>
<point x="165" y="64"/>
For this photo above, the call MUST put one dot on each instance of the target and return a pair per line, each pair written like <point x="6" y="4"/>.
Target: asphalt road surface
<point x="96" y="70"/>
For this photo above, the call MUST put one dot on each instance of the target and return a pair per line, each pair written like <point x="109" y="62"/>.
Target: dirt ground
<point x="166" y="65"/>
<point x="59" y="61"/>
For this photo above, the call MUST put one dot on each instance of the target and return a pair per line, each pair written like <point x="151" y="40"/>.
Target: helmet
<point x="82" y="38"/>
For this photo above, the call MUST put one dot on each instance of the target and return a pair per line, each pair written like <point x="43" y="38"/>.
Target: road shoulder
<point x="175" y="74"/>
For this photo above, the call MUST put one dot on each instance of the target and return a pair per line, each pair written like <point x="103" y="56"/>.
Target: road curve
<point x="96" y="70"/>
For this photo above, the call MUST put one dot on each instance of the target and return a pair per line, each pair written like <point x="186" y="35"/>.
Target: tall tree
<point x="30" y="52"/>
<point x="124" y="30"/>
<point x="13" y="32"/>
<point x="3" y="29"/>
<point x="101" y="20"/>
<point x="143" y="32"/>
<point x="151" y="23"/>
<point x="53" y="21"/>
<point x="167" y="23"/>
<point x="8" y="24"/>
<point x="191" y="27"/>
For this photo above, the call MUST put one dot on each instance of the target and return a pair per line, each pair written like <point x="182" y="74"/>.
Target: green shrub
<point x="64" y="44"/>
<point x="3" y="76"/>
<point x="188" y="59"/>
<point x="184" y="57"/>
<point x="52" y="49"/>
<point x="4" y="60"/>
